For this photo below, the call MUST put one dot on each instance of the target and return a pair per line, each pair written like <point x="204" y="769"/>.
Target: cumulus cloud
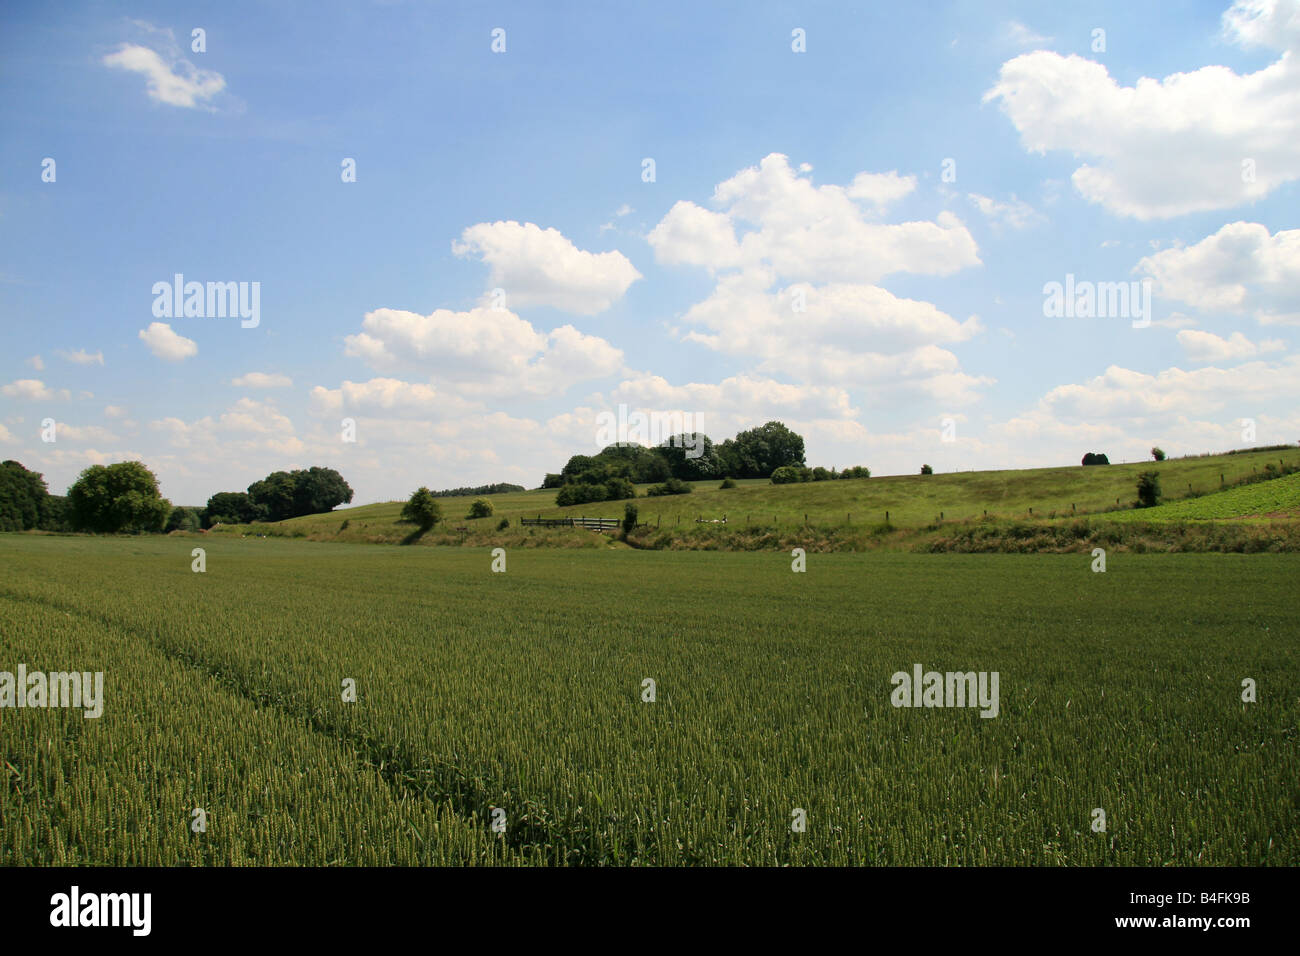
<point x="246" y="425"/>
<point x="35" y="362"/>
<point x="1021" y="35"/>
<point x="81" y="357"/>
<point x="482" y="352"/>
<point x="262" y="380"/>
<point x="1173" y="146"/>
<point x="34" y="390"/>
<point x="806" y="232"/>
<point x="169" y="77"/>
<point x="538" y="266"/>
<point x="1240" y="269"/>
<point x="166" y="344"/>
<point x="1208" y="347"/>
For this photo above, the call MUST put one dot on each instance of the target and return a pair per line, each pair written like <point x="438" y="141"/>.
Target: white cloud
<point x="81" y="357"/>
<point x="166" y="344"/>
<point x="483" y="352"/>
<point x="1173" y="146"/>
<point x="34" y="390"/>
<point x="170" y="78"/>
<point x="1208" y="347"/>
<point x="114" y="411"/>
<point x="538" y="266"/>
<point x="1241" y="269"/>
<point x="388" y="396"/>
<point x="1014" y="214"/>
<point x="80" y="433"/>
<point x="881" y="189"/>
<point x="262" y="380"/>
<point x="247" y="425"/>
<point x="35" y="362"/>
<point x="806" y="232"/>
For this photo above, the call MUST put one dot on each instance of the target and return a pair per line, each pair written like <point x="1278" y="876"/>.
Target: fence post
<point x="886" y="517"/>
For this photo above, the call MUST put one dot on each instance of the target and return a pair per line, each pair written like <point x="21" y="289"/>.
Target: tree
<point x="673" y="486"/>
<point x="289" y="494"/>
<point x="182" y="519"/>
<point x="629" y="518"/>
<point x="231" y="507"/>
<point x="1095" y="458"/>
<point x="422" y="509"/>
<point x="23" y="498"/>
<point x="116" y="498"/>
<point x="1148" y="489"/>
<point x="481" y="508"/>
<point x="927" y="470"/>
<point x="691" y="456"/>
<point x="758" y="452"/>
<point x="1157" y="454"/>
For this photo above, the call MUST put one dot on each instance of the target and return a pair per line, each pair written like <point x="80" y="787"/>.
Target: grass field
<point x="909" y="500"/>
<point x="522" y="691"/>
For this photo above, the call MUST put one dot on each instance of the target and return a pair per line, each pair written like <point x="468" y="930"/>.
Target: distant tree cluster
<point x="25" y="502"/>
<point x="497" y="489"/>
<point x="691" y="456"/>
<point x="1095" y="458"/>
<point x="280" y="495"/>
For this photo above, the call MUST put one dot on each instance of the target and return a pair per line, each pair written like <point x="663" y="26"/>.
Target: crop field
<point x="501" y="718"/>
<point x="1279" y="497"/>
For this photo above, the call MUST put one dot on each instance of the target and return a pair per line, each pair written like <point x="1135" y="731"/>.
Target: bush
<point x="1157" y="454"/>
<point x="629" y="518"/>
<point x="503" y="524"/>
<point x="580" y="494"/>
<point x="927" y="470"/>
<point x="726" y="483"/>
<point x="673" y="486"/>
<point x="820" y="474"/>
<point x="785" y="475"/>
<point x="617" y="489"/>
<point x="422" y="509"/>
<point x="1148" y="489"/>
<point x="1095" y="458"/>
<point x="857" y="471"/>
<point x="182" y="519"/>
<point x="481" y="508"/>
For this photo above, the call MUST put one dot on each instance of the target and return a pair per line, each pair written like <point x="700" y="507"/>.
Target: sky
<point x="470" y="235"/>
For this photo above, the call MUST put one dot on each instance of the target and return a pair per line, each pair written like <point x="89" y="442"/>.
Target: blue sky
<point x="854" y="239"/>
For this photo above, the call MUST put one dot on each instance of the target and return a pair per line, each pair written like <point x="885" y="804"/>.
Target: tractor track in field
<point x="530" y="825"/>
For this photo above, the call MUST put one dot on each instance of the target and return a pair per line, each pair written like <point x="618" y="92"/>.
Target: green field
<point x="1276" y="498"/>
<point x="522" y="691"/>
<point x="910" y="501"/>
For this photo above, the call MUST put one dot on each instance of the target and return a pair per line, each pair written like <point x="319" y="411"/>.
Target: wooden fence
<point x="592" y="524"/>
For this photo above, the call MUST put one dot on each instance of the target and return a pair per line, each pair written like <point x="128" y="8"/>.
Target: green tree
<point x="422" y="509"/>
<point x="1157" y="454"/>
<point x="785" y="475"/>
<point x="231" y="507"/>
<point x="629" y="518"/>
<point x="1148" y="489"/>
<point x="758" y="452"/>
<point x="23" y="498"/>
<point x="182" y="519"/>
<point x="114" y="498"/>
<point x="481" y="508"/>
<point x="927" y="470"/>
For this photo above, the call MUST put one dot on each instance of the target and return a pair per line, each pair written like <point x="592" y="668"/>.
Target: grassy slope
<point x="913" y="501"/>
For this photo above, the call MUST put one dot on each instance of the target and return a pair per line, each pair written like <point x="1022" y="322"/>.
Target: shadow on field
<point x="414" y="536"/>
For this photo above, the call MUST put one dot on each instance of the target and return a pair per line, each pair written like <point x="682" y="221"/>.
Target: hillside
<point x="849" y="508"/>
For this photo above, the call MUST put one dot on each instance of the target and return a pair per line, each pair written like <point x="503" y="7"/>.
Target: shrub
<point x="673" y="486"/>
<point x="617" y="489"/>
<point x="1157" y="454"/>
<point x="481" y="508"/>
<point x="785" y="475"/>
<point x="422" y="509"/>
<point x="820" y="474"/>
<point x="503" y="524"/>
<point x="726" y="483"/>
<point x="857" y="471"/>
<point x="1148" y="489"/>
<point x="629" y="518"/>
<point x="1095" y="458"/>
<point x="927" y="470"/>
<point x="582" y="493"/>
